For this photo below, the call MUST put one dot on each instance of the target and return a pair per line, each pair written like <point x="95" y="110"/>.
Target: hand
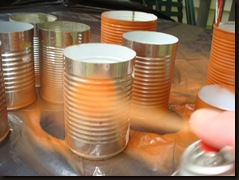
<point x="216" y="128"/>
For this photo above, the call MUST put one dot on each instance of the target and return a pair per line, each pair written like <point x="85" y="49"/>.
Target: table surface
<point x="35" y="145"/>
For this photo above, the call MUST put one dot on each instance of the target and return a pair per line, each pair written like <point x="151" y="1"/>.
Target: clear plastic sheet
<point x="35" y="145"/>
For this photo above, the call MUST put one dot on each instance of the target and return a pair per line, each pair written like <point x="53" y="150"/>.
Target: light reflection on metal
<point x="34" y="19"/>
<point x="17" y="63"/>
<point x="97" y="92"/>
<point x="54" y="37"/>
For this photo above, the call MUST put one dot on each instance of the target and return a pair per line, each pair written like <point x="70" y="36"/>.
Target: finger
<point x="216" y="128"/>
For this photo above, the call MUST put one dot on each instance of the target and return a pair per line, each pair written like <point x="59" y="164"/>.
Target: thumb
<point x="216" y="128"/>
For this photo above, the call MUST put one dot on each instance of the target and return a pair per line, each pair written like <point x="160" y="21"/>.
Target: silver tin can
<point x="18" y="63"/>
<point x="154" y="67"/>
<point x="97" y="93"/>
<point x="34" y="19"/>
<point x="4" y="126"/>
<point x="196" y="162"/>
<point x="54" y="38"/>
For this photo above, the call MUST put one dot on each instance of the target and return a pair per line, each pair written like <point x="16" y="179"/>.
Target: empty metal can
<point x="221" y="65"/>
<point x="54" y="37"/>
<point x="17" y="63"/>
<point x="4" y="126"/>
<point x="154" y="67"/>
<point x="34" y="19"/>
<point x="116" y="22"/>
<point x="97" y="93"/>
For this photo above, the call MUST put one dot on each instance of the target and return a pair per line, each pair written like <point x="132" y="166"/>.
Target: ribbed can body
<point x="54" y="37"/>
<point x="152" y="81"/>
<point x="36" y="60"/>
<point x="18" y="64"/>
<point x="34" y="19"/>
<point x="154" y="67"/>
<point x="115" y="23"/>
<point x="97" y="103"/>
<point x="4" y="126"/>
<point x="221" y="66"/>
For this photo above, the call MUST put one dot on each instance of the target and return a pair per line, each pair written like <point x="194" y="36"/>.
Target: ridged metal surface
<point x="115" y="23"/>
<point x="17" y="63"/>
<point x="36" y="57"/>
<point x="152" y="81"/>
<point x="34" y="19"/>
<point x="4" y="126"/>
<point x="97" y="94"/>
<point x="54" y="37"/>
<point x="154" y="67"/>
<point x="51" y="78"/>
<point x="221" y="66"/>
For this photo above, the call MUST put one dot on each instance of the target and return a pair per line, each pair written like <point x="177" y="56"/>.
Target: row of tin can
<point x="92" y="80"/>
<point x="31" y="49"/>
<point x="95" y="81"/>
<point x="35" y="47"/>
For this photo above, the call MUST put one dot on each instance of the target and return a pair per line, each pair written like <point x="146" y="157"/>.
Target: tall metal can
<point x="17" y="63"/>
<point x="154" y="67"/>
<point x="197" y="162"/>
<point x="97" y="92"/>
<point x="54" y="37"/>
<point x="4" y="126"/>
<point x="34" y="19"/>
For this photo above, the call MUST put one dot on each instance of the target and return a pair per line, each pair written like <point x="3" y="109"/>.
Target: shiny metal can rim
<point x="33" y="18"/>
